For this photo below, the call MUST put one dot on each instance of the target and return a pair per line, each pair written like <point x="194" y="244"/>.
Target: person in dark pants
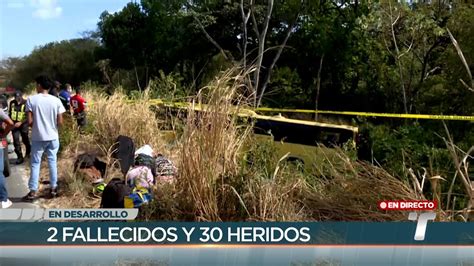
<point x="78" y="106"/>
<point x="18" y="115"/>
<point x="4" y="141"/>
<point x="7" y="125"/>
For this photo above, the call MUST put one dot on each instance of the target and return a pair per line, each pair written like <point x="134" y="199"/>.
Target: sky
<point x="25" y="24"/>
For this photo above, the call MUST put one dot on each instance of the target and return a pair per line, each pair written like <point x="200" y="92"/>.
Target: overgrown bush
<point x="261" y="155"/>
<point x="286" y="89"/>
<point x="167" y="87"/>
<point x="409" y="146"/>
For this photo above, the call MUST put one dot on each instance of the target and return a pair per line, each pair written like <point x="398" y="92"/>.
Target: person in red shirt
<point x="78" y="107"/>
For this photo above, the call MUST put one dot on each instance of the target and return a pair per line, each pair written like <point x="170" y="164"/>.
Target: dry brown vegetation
<point x="214" y="181"/>
<point x="112" y="116"/>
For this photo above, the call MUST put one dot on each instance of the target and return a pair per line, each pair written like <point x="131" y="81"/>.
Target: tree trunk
<point x="397" y="58"/>
<point x="275" y="59"/>
<point x="261" y="48"/>
<point x="245" y="20"/>
<point x="136" y="76"/>
<point x="146" y="77"/>
<point x="318" y="87"/>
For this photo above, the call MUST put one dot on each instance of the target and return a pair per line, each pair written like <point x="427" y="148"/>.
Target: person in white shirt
<point x="45" y="115"/>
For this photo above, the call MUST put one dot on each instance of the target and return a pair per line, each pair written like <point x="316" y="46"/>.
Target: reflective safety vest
<point x="18" y="116"/>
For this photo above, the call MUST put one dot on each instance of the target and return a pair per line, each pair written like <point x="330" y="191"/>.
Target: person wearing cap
<point x="18" y="114"/>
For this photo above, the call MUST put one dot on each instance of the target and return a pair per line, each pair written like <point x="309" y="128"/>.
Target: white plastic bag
<point x="146" y="149"/>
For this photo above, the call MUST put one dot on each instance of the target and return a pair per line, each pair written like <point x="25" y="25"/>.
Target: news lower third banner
<point x="239" y="233"/>
<point x="105" y="237"/>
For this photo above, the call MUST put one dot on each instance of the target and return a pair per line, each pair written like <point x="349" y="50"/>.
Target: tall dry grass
<point x="114" y="115"/>
<point x="277" y="198"/>
<point x="210" y="145"/>
<point x="354" y="191"/>
<point x="349" y="191"/>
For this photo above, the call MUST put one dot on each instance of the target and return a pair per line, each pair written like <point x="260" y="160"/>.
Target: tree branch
<point x="463" y="59"/>
<point x="277" y="56"/>
<point x="318" y="88"/>
<point x="254" y="20"/>
<point x="397" y="51"/>
<point x="409" y="47"/>
<point x="465" y="85"/>
<point x="430" y="72"/>
<point x="209" y="38"/>
<point x="261" y="46"/>
<point x="245" y="19"/>
<point x="136" y="76"/>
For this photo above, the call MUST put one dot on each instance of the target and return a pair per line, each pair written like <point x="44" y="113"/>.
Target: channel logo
<point x="421" y="219"/>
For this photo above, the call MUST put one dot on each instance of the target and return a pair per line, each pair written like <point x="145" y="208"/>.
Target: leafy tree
<point x="8" y="67"/>
<point x="71" y="61"/>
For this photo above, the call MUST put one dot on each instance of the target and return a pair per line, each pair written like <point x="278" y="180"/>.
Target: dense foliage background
<point x="392" y="57"/>
<point x="380" y="56"/>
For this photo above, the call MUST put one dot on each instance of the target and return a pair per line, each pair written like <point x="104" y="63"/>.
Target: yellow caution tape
<point x="349" y="113"/>
<point x="282" y="110"/>
<point x="198" y="106"/>
<point x="303" y="122"/>
<point x="369" y="114"/>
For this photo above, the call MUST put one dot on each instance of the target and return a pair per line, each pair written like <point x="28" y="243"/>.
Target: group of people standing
<point x="75" y="104"/>
<point x="42" y="112"/>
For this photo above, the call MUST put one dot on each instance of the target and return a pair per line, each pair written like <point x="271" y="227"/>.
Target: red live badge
<point x="408" y="205"/>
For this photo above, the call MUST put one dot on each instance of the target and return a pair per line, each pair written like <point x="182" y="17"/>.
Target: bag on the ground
<point x="124" y="152"/>
<point x="87" y="160"/>
<point x="84" y="160"/>
<point x="114" y="194"/>
<point x="140" y="176"/>
<point x="165" y="169"/>
<point x="137" y="198"/>
<point x="145" y="149"/>
<point x="146" y="160"/>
